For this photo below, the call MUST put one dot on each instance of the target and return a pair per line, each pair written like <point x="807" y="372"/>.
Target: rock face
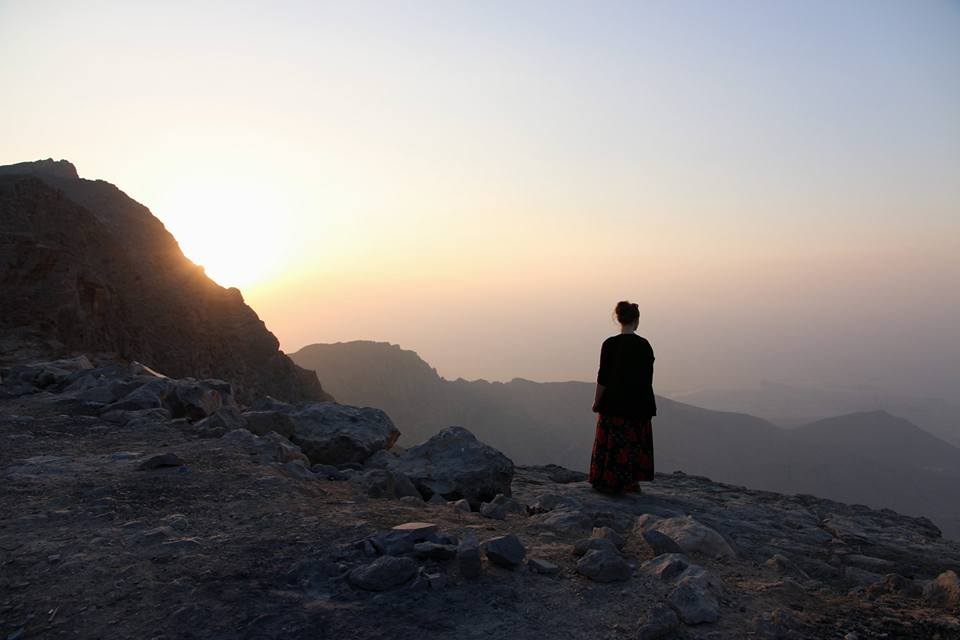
<point x="454" y="464"/>
<point x="83" y="267"/>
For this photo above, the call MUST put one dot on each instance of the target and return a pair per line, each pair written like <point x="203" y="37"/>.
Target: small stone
<point x="694" y="602"/>
<point x="162" y="460"/>
<point x="383" y="574"/>
<point x="539" y="565"/>
<point x="584" y="545"/>
<point x="412" y="500"/>
<point x="461" y="505"/>
<point x="468" y="556"/>
<point x="603" y="565"/>
<point x="660" y="623"/>
<point x="506" y="551"/>
<point x="607" y="533"/>
<point x="53" y="559"/>
<point x="667" y="566"/>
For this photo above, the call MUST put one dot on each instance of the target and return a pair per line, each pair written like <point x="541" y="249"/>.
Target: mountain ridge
<point x="87" y="269"/>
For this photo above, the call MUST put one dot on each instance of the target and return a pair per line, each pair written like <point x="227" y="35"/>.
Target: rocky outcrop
<point x="84" y="268"/>
<point x="454" y="464"/>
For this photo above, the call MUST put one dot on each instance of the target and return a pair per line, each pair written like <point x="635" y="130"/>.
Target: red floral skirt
<point x="622" y="454"/>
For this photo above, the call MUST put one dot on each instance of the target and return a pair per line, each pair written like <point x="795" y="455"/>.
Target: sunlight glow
<point x="237" y="232"/>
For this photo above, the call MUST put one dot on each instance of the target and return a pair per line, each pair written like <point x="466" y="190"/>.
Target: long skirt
<point x="622" y="454"/>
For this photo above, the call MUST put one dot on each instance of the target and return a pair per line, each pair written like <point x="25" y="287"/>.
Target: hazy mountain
<point x="788" y="405"/>
<point x="87" y="269"/>
<point x="872" y="458"/>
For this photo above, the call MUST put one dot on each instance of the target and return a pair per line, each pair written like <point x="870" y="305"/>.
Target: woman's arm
<point x="596" y="398"/>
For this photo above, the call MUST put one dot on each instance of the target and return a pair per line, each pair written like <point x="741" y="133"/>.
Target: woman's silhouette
<point x="623" y="446"/>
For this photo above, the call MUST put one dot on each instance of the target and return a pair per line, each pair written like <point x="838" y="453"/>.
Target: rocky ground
<point x="160" y="515"/>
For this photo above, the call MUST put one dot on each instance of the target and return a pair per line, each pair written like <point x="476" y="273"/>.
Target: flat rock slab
<point x="402" y="538"/>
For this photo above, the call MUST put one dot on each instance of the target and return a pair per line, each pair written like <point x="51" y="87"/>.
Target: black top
<point x="626" y="370"/>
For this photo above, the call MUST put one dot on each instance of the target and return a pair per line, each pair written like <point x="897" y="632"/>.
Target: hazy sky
<point x="776" y="183"/>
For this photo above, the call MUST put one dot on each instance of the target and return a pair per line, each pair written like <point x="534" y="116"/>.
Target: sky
<point x="776" y="184"/>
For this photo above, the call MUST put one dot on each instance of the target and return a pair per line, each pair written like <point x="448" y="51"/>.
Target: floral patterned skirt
<point x="622" y="454"/>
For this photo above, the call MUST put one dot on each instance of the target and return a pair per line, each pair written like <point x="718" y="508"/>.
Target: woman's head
<point x="627" y="313"/>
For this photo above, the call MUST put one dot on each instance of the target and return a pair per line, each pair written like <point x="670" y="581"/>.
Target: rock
<point x="607" y="533"/>
<point x="660" y="623"/>
<point x="944" y="591"/>
<point x="197" y="399"/>
<point x="383" y="483"/>
<point x="619" y="521"/>
<point x="147" y="396"/>
<point x="500" y="506"/>
<point x="644" y="522"/>
<point x="660" y="543"/>
<point x="412" y="500"/>
<point x="221" y="422"/>
<point x="454" y="464"/>
<point x="435" y="498"/>
<point x="582" y="546"/>
<point x="401" y="538"/>
<point x="558" y="474"/>
<point x="603" y="565"/>
<point x="468" y="556"/>
<point x="435" y="551"/>
<point x="562" y="521"/>
<point x="161" y="460"/>
<point x="264" y="422"/>
<point x="539" y="565"/>
<point x="331" y="433"/>
<point x="694" y="537"/>
<point x="550" y="501"/>
<point x="506" y="551"/>
<point x="694" y="602"/>
<point x="271" y="448"/>
<point x="667" y="566"/>
<point x="383" y="574"/>
<point x="459" y="505"/>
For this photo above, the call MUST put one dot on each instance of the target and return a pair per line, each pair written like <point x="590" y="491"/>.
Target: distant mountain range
<point x="86" y="269"/>
<point x="791" y="405"/>
<point x="873" y="458"/>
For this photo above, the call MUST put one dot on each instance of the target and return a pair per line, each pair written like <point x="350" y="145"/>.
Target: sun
<point x="237" y="232"/>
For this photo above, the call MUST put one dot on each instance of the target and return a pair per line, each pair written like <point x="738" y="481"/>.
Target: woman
<point x="623" y="445"/>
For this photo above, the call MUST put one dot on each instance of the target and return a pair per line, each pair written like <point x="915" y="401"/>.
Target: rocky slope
<point x="872" y="458"/>
<point x="141" y="506"/>
<point x="84" y="268"/>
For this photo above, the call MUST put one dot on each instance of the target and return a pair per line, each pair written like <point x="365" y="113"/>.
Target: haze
<point x="777" y="185"/>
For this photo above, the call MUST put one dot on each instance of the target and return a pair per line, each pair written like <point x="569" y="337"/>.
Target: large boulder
<point x="694" y="537"/>
<point x="329" y="433"/>
<point x="454" y="464"/>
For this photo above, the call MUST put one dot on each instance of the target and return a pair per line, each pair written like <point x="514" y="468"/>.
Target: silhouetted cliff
<point x="85" y="268"/>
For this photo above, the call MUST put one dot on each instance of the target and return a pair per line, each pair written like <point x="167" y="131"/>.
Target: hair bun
<point x="627" y="312"/>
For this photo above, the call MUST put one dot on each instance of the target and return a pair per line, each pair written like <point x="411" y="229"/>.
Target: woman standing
<point x="623" y="445"/>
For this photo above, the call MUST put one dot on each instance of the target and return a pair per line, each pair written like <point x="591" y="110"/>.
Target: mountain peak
<point x="49" y="167"/>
